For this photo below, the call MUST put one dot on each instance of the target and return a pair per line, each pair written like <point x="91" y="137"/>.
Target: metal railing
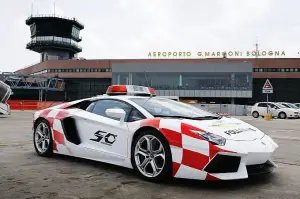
<point x="34" y="82"/>
<point x="226" y="109"/>
<point x="55" y="16"/>
<point x="54" y="40"/>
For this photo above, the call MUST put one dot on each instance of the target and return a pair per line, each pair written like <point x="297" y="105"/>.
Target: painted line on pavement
<point x="15" y="144"/>
<point x="285" y="138"/>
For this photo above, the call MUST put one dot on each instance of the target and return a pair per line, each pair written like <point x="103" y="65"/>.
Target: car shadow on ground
<point x="131" y="175"/>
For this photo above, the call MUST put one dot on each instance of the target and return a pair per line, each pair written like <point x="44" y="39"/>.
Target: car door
<point x="262" y="107"/>
<point x="102" y="133"/>
<point x="275" y="109"/>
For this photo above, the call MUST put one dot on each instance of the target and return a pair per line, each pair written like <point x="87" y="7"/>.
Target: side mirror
<point x="116" y="113"/>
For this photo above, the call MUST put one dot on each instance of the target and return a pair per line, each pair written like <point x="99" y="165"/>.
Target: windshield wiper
<point x="208" y="117"/>
<point x="174" y="116"/>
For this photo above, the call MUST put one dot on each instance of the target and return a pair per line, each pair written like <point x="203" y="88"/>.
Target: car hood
<point x="289" y="109"/>
<point x="229" y="128"/>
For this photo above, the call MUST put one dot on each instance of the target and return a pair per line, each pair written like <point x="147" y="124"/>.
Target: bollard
<point x="268" y="116"/>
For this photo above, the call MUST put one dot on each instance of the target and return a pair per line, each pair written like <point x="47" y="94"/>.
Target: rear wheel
<point x="255" y="114"/>
<point x="42" y="138"/>
<point x="151" y="156"/>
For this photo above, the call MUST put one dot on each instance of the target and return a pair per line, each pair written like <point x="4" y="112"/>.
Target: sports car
<point x="158" y="137"/>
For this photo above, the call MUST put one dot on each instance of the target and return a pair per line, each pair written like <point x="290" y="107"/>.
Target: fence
<point x="226" y="109"/>
<point x="30" y="104"/>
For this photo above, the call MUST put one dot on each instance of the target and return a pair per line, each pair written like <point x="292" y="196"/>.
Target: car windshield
<point x="285" y="105"/>
<point x="292" y="105"/>
<point x="162" y="107"/>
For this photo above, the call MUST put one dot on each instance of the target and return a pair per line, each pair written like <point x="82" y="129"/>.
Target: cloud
<point x="130" y="29"/>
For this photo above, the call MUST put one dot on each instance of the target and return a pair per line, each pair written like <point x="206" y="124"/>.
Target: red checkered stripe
<point x="53" y="116"/>
<point x="190" y="152"/>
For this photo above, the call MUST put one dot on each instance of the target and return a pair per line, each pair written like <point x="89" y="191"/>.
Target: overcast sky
<point x="133" y="28"/>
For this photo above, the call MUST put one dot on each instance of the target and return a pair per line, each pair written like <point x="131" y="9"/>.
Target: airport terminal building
<point x="62" y="76"/>
<point x="238" y="81"/>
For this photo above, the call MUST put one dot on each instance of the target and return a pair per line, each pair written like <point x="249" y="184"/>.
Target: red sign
<point x="268" y="85"/>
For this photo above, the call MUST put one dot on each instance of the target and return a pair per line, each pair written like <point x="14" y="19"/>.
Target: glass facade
<point x="83" y="88"/>
<point x="187" y="81"/>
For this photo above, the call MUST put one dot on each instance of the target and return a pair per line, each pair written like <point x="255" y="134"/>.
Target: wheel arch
<point x="145" y="128"/>
<point x="38" y="120"/>
<point x="282" y="112"/>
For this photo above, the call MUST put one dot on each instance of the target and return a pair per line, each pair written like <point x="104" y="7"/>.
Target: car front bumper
<point x="236" y="160"/>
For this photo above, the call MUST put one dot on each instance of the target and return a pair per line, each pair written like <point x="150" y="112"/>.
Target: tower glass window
<point x="75" y="32"/>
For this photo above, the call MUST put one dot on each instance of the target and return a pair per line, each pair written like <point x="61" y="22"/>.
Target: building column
<point x="232" y="100"/>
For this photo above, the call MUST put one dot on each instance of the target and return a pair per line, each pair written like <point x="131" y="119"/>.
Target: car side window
<point x="272" y="106"/>
<point x="102" y="105"/>
<point x="90" y="107"/>
<point x="262" y="105"/>
<point x="135" y="115"/>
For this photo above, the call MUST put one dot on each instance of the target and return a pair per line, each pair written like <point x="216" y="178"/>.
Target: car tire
<point x="255" y="114"/>
<point x="164" y="170"/>
<point x="42" y="132"/>
<point x="282" y="115"/>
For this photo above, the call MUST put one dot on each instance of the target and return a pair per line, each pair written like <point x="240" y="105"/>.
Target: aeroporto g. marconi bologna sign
<point x="218" y="54"/>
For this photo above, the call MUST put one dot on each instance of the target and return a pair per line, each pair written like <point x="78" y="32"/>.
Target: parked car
<point x="289" y="105"/>
<point x="276" y="110"/>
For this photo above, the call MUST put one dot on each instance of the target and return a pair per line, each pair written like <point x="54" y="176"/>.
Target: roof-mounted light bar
<point x="130" y="90"/>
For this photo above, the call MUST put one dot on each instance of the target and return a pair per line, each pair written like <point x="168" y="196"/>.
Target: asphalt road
<point x="23" y="174"/>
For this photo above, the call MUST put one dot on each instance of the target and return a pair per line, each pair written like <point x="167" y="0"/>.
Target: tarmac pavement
<point x="23" y="174"/>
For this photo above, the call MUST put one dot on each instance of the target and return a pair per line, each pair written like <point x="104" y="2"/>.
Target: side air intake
<point x="70" y="130"/>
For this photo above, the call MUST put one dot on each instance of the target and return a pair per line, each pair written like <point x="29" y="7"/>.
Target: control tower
<point x="54" y="37"/>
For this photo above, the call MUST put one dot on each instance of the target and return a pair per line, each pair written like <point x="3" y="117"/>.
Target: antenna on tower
<point x="31" y="7"/>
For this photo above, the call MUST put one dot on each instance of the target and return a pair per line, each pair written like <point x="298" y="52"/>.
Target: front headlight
<point x="215" y="139"/>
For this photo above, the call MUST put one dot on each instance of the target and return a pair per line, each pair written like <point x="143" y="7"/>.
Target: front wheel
<point x="282" y="115"/>
<point x="42" y="138"/>
<point x="151" y="156"/>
